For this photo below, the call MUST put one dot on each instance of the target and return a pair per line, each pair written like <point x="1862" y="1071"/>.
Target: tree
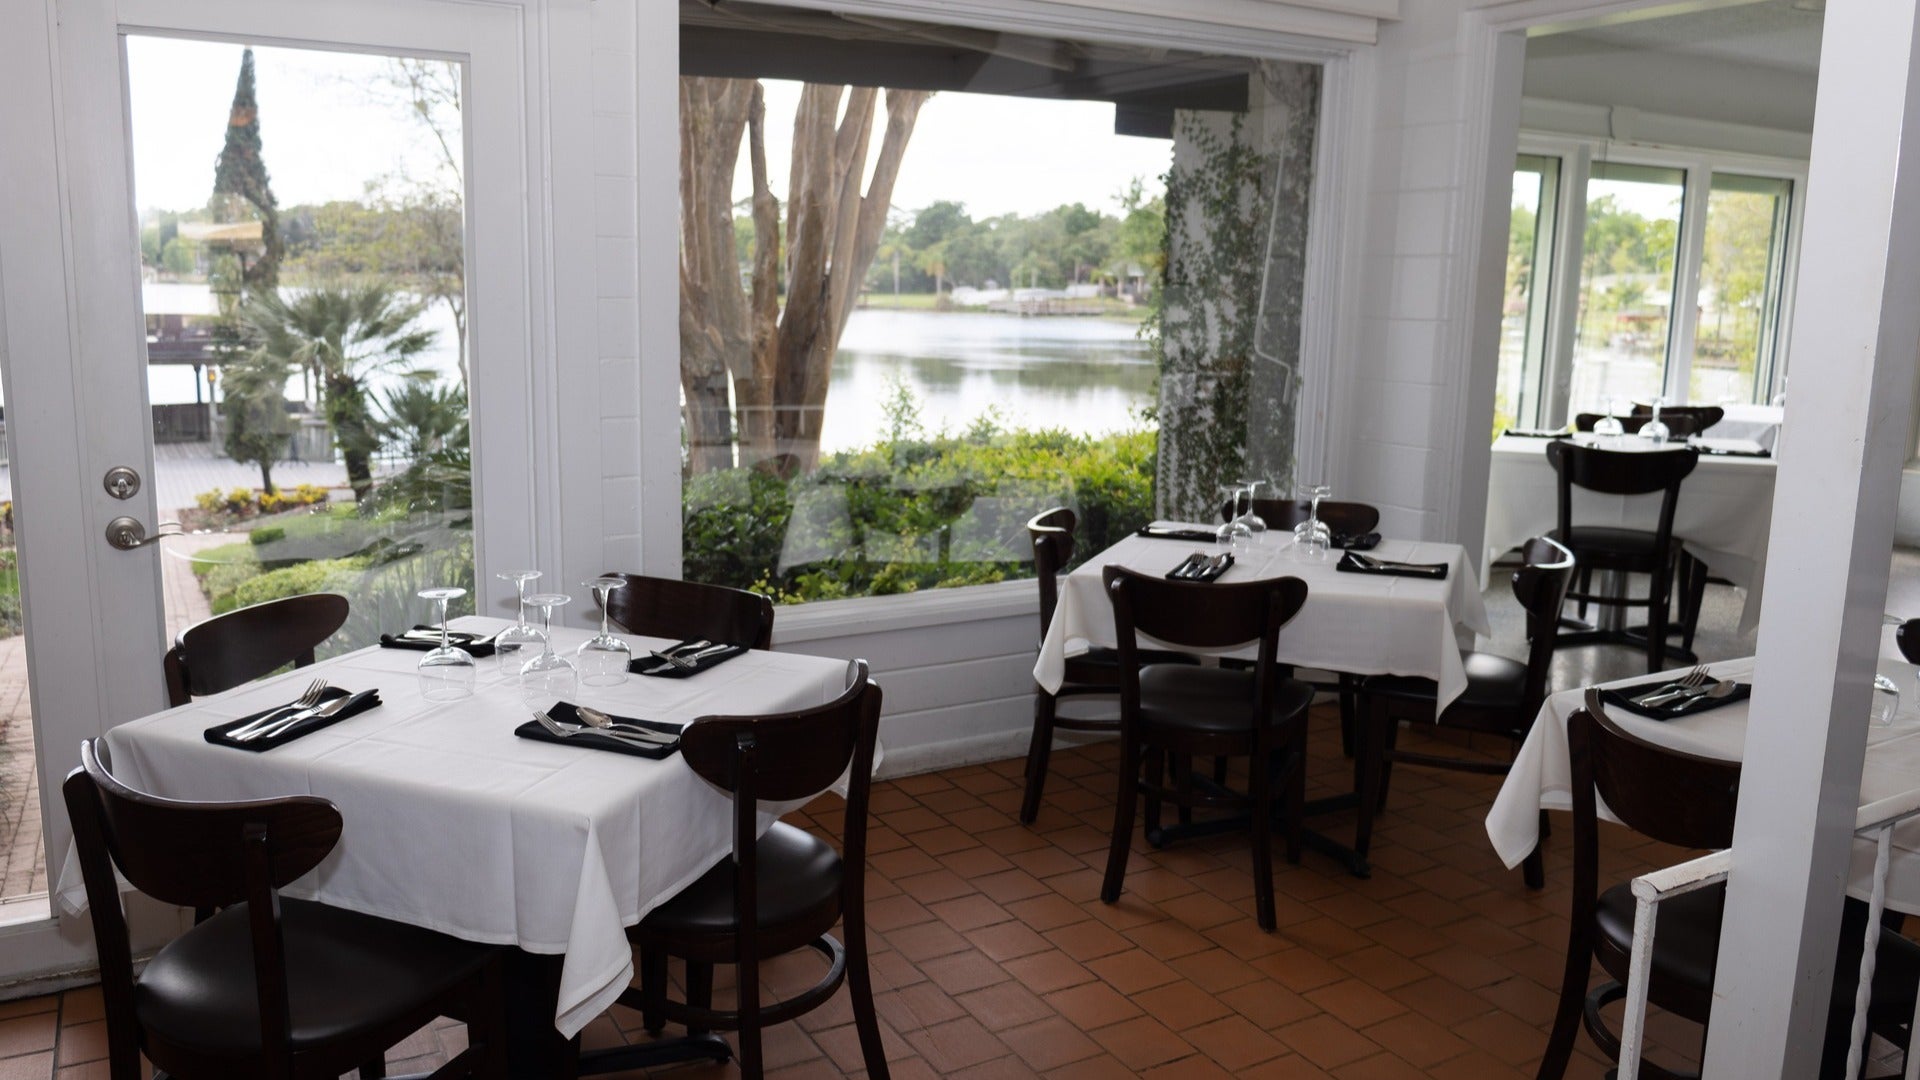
<point x="343" y="334"/>
<point x="254" y="405"/>
<point x="754" y="373"/>
<point x="241" y="188"/>
<point x="423" y="416"/>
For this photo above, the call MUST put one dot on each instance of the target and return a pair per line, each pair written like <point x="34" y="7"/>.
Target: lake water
<point x="1084" y="374"/>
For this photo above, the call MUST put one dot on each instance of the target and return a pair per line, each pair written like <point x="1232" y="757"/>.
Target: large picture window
<point x="1656" y="226"/>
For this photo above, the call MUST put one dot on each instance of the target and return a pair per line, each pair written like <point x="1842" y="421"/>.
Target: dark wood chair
<point x="1689" y="801"/>
<point x="789" y="886"/>
<point x="1183" y="711"/>
<point x="1680" y="423"/>
<point x="665" y="607"/>
<point x="271" y="986"/>
<point x="1613" y="548"/>
<point x="1349" y="518"/>
<point x="1699" y="417"/>
<point x="222" y="652"/>
<point x="1502" y="696"/>
<point x="1095" y="672"/>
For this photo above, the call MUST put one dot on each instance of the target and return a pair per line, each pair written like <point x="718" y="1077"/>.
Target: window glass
<point x="1626" y="284"/>
<point x="1523" y="314"/>
<point x="1741" y="269"/>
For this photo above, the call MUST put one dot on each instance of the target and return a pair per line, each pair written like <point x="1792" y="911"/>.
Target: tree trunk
<point x="715" y="341"/>
<point x="353" y="432"/>
<point x="754" y="396"/>
<point x="266" y="475"/>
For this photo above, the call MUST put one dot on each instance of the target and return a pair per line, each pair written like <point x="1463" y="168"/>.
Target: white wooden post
<point x="1855" y="340"/>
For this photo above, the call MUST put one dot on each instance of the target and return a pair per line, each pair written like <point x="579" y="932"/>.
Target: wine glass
<point x="603" y="659"/>
<point x="1255" y="524"/>
<point x="446" y="672"/>
<point x="1609" y="423"/>
<point x="548" y="674"/>
<point x="1312" y="533"/>
<point x="508" y="644"/>
<point x="1653" y="428"/>
<point x="1233" y="532"/>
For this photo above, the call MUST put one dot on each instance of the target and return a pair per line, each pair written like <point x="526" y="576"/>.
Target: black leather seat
<point x="1502" y="696"/>
<point x="806" y="903"/>
<point x="1211" y="700"/>
<point x="1629" y="542"/>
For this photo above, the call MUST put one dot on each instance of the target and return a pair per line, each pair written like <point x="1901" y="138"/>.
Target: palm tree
<point x="342" y="334"/>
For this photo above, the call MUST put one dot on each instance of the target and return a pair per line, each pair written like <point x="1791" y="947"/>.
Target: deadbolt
<point x="121" y="482"/>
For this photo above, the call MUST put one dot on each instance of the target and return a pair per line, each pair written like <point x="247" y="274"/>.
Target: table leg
<point x="536" y="1051"/>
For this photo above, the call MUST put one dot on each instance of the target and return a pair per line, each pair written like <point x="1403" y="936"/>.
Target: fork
<point x="316" y="690"/>
<point x="556" y="728"/>
<point x="1678" y="688"/>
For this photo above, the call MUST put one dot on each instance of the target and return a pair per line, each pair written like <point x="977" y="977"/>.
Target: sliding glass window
<point x="1524" y="308"/>
<point x="1627" y="259"/>
<point x="1742" y="267"/>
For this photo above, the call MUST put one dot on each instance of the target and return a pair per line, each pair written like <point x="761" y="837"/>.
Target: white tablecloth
<point x="455" y="824"/>
<point x="1761" y="423"/>
<point x="1362" y="623"/>
<point x="1723" y="517"/>
<point x="1542" y="776"/>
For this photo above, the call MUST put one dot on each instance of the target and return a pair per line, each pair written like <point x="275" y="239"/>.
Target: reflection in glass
<point x="1626" y="283"/>
<point x="1742" y="264"/>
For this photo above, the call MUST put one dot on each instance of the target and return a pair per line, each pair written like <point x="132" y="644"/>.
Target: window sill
<point x="908" y="611"/>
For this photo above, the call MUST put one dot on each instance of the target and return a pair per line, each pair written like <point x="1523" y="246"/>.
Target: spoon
<point x="1712" y="692"/>
<point x="565" y="732"/>
<point x="594" y="718"/>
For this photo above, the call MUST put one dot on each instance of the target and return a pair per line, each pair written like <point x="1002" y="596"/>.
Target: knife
<point x="316" y="712"/>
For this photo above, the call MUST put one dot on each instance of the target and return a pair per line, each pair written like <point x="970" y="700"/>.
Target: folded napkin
<point x="424" y="638"/>
<point x="1173" y="530"/>
<point x="1535" y="433"/>
<point x="1350" y="542"/>
<point x="1622" y="697"/>
<point x="1201" y="567"/>
<point x="361" y="702"/>
<point x="1729" y="447"/>
<point x="703" y="658"/>
<point x="569" y="716"/>
<point x="1355" y="563"/>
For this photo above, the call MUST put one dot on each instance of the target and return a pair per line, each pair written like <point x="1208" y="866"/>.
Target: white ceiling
<point x="1778" y="34"/>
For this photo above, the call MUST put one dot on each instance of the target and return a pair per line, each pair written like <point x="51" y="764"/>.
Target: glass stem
<point x="445" y="640"/>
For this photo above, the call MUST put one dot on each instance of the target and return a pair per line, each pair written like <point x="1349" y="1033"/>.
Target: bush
<point x="266" y="534"/>
<point x="912" y="513"/>
<point x="322" y="575"/>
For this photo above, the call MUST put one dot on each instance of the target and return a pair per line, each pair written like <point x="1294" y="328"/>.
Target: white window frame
<point x="1699" y="166"/>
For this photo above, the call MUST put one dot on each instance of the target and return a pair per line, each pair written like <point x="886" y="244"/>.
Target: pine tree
<point x="241" y="189"/>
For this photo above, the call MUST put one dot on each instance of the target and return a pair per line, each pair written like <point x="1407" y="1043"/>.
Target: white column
<point x="1857" y="334"/>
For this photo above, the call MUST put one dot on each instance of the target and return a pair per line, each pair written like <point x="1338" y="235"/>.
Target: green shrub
<point x="322" y="575"/>
<point x="266" y="534"/>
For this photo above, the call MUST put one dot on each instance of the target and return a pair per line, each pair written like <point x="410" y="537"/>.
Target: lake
<point x="1088" y="375"/>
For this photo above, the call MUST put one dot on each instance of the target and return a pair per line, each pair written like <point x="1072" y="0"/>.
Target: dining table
<point x="1351" y="623"/>
<point x="1723" y="517"/>
<point x="454" y="823"/>
<point x="1541" y="777"/>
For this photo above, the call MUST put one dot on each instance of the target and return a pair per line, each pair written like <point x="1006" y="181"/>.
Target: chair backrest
<point x="1052" y="535"/>
<point x="665" y="607"/>
<point x="222" y="652"/>
<point x="1621" y="472"/>
<point x="1347" y="518"/>
<point x="1541" y="587"/>
<point x="201" y="855"/>
<point x="1663" y="794"/>
<point x="1701" y="416"/>
<point x="1195" y="615"/>
<point x="1680" y="422"/>
<point x="1907" y="637"/>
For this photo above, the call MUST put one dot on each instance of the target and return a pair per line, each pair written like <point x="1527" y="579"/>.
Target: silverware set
<point x="599" y="723"/>
<point x="1696" y="683"/>
<point x="309" y="706"/>
<point x="685" y="657"/>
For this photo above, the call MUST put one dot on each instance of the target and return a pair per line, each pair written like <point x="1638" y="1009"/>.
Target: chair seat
<point x="1685" y="950"/>
<point x="1493" y="682"/>
<point x="1607" y="540"/>
<point x="348" y="975"/>
<point x="1100" y="667"/>
<point x="799" y="891"/>
<point x="1212" y="701"/>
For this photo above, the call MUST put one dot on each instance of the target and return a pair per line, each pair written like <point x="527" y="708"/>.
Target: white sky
<point x="324" y="134"/>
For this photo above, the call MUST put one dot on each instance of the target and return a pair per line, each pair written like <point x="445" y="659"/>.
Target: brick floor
<point x="994" y="957"/>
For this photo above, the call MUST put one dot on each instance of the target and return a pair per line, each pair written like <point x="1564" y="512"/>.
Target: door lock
<point x="127" y="534"/>
<point x="121" y="482"/>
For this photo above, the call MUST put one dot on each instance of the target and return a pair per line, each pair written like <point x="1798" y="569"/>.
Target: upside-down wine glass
<point x="548" y="674"/>
<point x="1653" y="428"/>
<point x="1233" y="532"/>
<point x="603" y="659"/>
<point x="1312" y="533"/>
<point x="1609" y="424"/>
<point x="1255" y="524"/>
<point x="508" y="644"/>
<point x="446" y="672"/>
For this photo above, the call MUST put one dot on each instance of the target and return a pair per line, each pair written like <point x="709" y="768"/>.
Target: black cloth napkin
<point x="566" y="714"/>
<point x="1621" y="697"/>
<point x="1350" y="542"/>
<point x="477" y="645"/>
<point x="1352" y="563"/>
<point x="1534" y="433"/>
<point x="1200" y="567"/>
<point x="1189" y="535"/>
<point x="651" y="665"/>
<point x="1721" y="451"/>
<point x="364" y="700"/>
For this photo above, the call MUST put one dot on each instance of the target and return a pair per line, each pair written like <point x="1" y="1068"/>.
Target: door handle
<point x="127" y="534"/>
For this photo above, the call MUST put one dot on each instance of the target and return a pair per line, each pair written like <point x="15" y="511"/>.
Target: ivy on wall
<point x="1228" y="336"/>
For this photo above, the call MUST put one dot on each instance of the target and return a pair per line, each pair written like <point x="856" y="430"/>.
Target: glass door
<point x="236" y="294"/>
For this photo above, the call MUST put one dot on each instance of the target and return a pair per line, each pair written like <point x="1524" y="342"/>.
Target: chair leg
<point x="1585" y="587"/>
<point x="1695" y="596"/>
<point x="1219" y="769"/>
<point x="1297" y="792"/>
<point x="374" y="1070"/>
<point x="1660" y="586"/>
<point x="1260" y="786"/>
<point x="1156" y="778"/>
<point x="1183" y="775"/>
<point x="1037" y="754"/>
<point x="747" y="992"/>
<point x="653" y="990"/>
<point x="1128" y="794"/>
<point x="1370" y="747"/>
<point x="1349" y="712"/>
<point x="493" y="1006"/>
<point x="860" y="990"/>
<point x="699" y="990"/>
<point x="1566" y="1015"/>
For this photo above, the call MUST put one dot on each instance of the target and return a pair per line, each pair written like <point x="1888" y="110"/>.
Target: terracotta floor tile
<point x="1183" y="1005"/>
<point x="1008" y="885"/>
<point x="28" y="1034"/>
<point x="964" y="971"/>
<point x="1417" y="1039"/>
<point x="1215" y="970"/>
<point x="1007" y="941"/>
<point x="1132" y="971"/>
<point x="28" y="1067"/>
<point x="1047" y="912"/>
<point x="1380" y="1067"/>
<point x="934" y="887"/>
<point x="1235" y="1042"/>
<point x="1268" y="1005"/>
<point x="1092" y="1005"/>
<point x="1005" y="1005"/>
<point x="1050" y="1044"/>
<point x="1168" y="940"/>
<point x="956" y="1044"/>
<point x="1327" y="1042"/>
<point x="1354" y="1003"/>
<point x="1142" y="1043"/>
<point x="914" y="1007"/>
<point x="1088" y="940"/>
<point x="970" y="912"/>
<point x="29" y="1006"/>
<point x="925" y="941"/>
<point x="1045" y="972"/>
